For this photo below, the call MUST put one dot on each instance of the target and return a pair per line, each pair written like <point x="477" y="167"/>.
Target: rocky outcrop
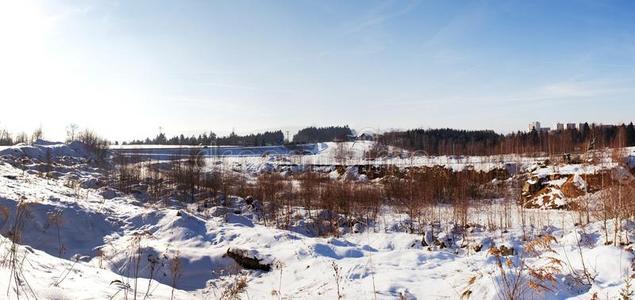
<point x="249" y="259"/>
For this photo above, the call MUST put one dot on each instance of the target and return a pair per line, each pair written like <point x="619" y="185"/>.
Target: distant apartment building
<point x="560" y="127"/>
<point x="557" y="127"/>
<point x="537" y="127"/>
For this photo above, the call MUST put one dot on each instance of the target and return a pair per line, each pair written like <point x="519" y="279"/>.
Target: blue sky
<point x="126" y="68"/>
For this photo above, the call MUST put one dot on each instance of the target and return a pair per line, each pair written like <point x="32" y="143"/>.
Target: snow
<point x="40" y="149"/>
<point x="101" y="231"/>
<point x="573" y="169"/>
<point x="356" y="154"/>
<point x="254" y="160"/>
<point x="579" y="182"/>
<point x="558" y="182"/>
<point x="54" y="278"/>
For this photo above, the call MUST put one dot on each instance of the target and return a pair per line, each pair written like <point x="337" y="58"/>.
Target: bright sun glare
<point x="23" y="25"/>
<point x="30" y="74"/>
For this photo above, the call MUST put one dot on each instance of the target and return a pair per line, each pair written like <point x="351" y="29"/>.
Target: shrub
<point x="95" y="144"/>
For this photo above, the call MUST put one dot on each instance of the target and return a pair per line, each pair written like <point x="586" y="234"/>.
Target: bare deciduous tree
<point x="71" y="130"/>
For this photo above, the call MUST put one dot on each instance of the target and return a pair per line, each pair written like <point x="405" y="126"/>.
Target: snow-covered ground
<point x="356" y="153"/>
<point x="258" y="159"/>
<point x="78" y="242"/>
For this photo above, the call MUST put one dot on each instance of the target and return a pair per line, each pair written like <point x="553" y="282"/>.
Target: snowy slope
<point x="79" y="245"/>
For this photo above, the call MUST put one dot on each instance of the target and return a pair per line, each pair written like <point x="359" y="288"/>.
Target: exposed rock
<point x="218" y="211"/>
<point x="89" y="183"/>
<point x="108" y="193"/>
<point x="351" y="173"/>
<point x="547" y="198"/>
<point x="440" y="243"/>
<point x="358" y="227"/>
<point x="485" y="244"/>
<point x="257" y="206"/>
<point x="532" y="185"/>
<point x="54" y="174"/>
<point x="504" y="251"/>
<point x="139" y="188"/>
<point x="574" y="187"/>
<point x="249" y="260"/>
<point x="428" y="238"/>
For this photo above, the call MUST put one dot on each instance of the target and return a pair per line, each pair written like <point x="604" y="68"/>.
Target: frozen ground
<point x="356" y="153"/>
<point x="76" y="244"/>
<point x="256" y="159"/>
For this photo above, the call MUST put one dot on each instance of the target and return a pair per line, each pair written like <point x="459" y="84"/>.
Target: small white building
<point x="534" y="126"/>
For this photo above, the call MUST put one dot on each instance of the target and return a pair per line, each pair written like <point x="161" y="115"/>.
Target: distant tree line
<point x="487" y="142"/>
<point x="430" y="141"/>
<point x="161" y="139"/>
<point x="442" y="141"/>
<point x="268" y="138"/>
<point x="322" y="134"/>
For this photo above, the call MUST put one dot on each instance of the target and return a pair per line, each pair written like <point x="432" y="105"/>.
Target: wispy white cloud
<point x="462" y="23"/>
<point x="567" y="90"/>
<point x="380" y="14"/>
<point x="589" y="88"/>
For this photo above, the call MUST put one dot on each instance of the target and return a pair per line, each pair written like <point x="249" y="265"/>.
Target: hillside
<point x="68" y="232"/>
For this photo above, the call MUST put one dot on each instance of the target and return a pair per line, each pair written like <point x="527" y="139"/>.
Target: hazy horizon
<point x="126" y="68"/>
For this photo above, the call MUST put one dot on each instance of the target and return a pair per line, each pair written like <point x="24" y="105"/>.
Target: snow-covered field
<point x="77" y="241"/>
